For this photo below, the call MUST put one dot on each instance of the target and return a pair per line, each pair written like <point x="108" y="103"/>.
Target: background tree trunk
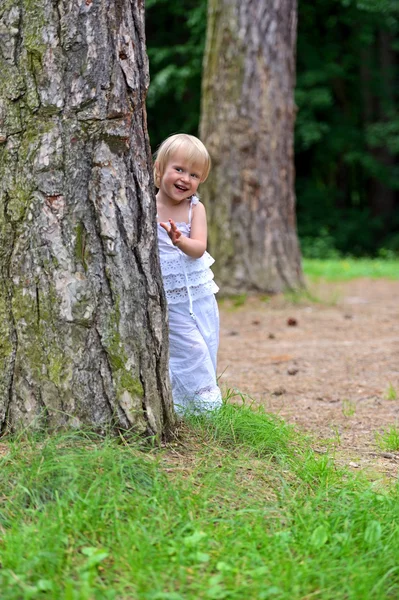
<point x="83" y="336"/>
<point x="247" y="123"/>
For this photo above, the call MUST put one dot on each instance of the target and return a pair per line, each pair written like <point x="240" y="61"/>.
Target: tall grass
<point x="238" y="508"/>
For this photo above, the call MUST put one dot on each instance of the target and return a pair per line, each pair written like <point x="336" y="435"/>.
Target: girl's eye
<point x="179" y="169"/>
<point x="195" y="175"/>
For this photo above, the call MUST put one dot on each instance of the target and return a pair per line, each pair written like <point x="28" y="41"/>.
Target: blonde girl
<point x="181" y="164"/>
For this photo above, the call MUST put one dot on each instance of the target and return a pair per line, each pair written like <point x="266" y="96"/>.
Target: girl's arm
<point x="195" y="245"/>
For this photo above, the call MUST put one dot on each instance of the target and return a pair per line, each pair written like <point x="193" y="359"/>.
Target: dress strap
<point x="190" y="300"/>
<point x="193" y="201"/>
<point x="190" y="211"/>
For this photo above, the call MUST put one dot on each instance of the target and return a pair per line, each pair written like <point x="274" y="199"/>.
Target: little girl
<point x="181" y="164"/>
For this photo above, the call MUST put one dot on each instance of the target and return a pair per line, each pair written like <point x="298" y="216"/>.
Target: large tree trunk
<point x="247" y="123"/>
<point x="83" y="336"/>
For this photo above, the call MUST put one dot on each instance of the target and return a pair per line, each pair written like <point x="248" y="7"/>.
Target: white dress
<point x="193" y="324"/>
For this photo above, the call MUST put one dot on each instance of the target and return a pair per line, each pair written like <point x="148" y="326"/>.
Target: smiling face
<point x="180" y="178"/>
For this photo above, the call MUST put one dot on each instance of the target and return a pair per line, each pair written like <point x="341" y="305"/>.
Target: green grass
<point x="301" y="296"/>
<point x="348" y="407"/>
<point x="391" y="393"/>
<point x="346" y="269"/>
<point x="389" y="439"/>
<point x="239" y="507"/>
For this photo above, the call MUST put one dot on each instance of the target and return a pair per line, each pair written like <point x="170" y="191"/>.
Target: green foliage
<point x="347" y="125"/>
<point x="322" y="247"/>
<point x="175" y="43"/>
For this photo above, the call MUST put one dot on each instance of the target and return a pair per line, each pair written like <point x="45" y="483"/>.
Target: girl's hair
<point x="194" y="149"/>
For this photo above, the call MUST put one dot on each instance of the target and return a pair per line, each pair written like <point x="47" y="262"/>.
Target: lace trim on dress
<point x="200" y="291"/>
<point x="184" y="276"/>
<point x="172" y="264"/>
<point x="205" y="399"/>
<point x="178" y="280"/>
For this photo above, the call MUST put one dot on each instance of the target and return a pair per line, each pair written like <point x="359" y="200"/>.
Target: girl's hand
<point x="172" y="231"/>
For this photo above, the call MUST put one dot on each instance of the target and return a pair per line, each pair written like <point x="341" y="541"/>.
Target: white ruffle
<point x="173" y="263"/>
<point x="174" y="281"/>
<point x="175" y="268"/>
<point x="174" y="296"/>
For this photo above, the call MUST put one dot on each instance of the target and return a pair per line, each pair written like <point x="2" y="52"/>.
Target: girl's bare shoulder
<point x="199" y="208"/>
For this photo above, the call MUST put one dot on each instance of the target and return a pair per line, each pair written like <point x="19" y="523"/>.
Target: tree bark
<point x="83" y="337"/>
<point x="247" y="123"/>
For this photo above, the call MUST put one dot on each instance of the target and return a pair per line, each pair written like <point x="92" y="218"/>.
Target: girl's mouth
<point x="181" y="188"/>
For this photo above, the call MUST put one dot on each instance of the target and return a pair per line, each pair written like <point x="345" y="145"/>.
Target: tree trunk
<point x="248" y="115"/>
<point x="83" y="338"/>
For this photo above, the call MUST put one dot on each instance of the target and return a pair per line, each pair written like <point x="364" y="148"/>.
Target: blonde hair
<point x="193" y="147"/>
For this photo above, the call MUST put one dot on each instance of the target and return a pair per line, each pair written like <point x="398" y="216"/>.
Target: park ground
<point x="326" y="360"/>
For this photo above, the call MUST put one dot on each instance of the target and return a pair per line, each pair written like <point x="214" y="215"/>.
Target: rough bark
<point x="247" y="123"/>
<point x="83" y="337"/>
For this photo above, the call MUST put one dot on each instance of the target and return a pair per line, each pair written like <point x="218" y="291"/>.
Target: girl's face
<point x="180" y="179"/>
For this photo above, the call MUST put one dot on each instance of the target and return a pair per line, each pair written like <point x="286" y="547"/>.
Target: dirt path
<point x="327" y="366"/>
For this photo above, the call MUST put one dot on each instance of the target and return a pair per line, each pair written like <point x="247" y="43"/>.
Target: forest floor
<point x="327" y="362"/>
